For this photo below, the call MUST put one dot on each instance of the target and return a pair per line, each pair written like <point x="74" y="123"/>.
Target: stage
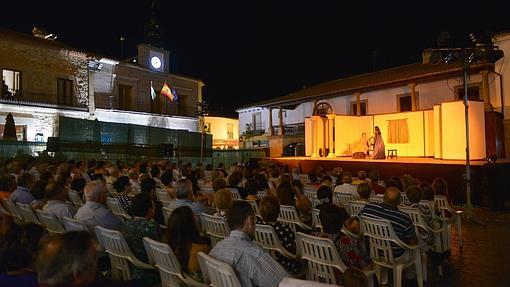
<point x="490" y="183"/>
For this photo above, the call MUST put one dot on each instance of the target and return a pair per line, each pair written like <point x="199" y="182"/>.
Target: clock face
<point x="156" y="62"/>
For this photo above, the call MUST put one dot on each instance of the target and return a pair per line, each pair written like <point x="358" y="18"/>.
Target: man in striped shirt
<point x="253" y="266"/>
<point x="400" y="221"/>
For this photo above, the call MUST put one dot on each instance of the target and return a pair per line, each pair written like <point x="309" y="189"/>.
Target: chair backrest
<point x="381" y="234"/>
<point x="261" y="195"/>
<point x="13" y="209"/>
<point x="120" y="255"/>
<point x="75" y="198"/>
<point x="235" y="193"/>
<point x="321" y="256"/>
<point x="221" y="274"/>
<point x="375" y="199"/>
<point x="161" y="255"/>
<point x="167" y="211"/>
<point x="215" y="227"/>
<point x="441" y="201"/>
<point x="28" y="213"/>
<point x="310" y="194"/>
<point x="71" y="224"/>
<point x="266" y="237"/>
<point x="342" y="198"/>
<point x="403" y="197"/>
<point x="163" y="196"/>
<point x="50" y="221"/>
<point x="114" y="205"/>
<point x="206" y="190"/>
<point x="354" y="207"/>
<point x="316" y="220"/>
<point x="289" y="215"/>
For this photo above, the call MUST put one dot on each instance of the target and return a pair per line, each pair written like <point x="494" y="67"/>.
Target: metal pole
<point x="201" y="142"/>
<point x="468" y="207"/>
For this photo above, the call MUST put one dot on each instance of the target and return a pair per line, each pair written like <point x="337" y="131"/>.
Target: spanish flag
<point x="171" y="95"/>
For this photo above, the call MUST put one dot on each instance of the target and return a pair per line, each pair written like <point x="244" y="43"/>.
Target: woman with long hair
<point x="379" y="152"/>
<point x="123" y="188"/>
<point x="183" y="237"/>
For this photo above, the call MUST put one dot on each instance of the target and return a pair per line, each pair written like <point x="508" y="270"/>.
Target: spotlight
<point x="492" y="158"/>
<point x="451" y="57"/>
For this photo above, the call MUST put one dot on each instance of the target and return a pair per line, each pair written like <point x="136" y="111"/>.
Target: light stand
<point x="201" y="112"/>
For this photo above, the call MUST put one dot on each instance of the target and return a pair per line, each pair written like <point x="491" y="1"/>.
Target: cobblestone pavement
<point x="484" y="259"/>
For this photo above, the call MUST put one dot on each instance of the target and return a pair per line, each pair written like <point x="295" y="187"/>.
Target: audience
<point x="7" y="185"/>
<point x="325" y="196"/>
<point x="22" y="193"/>
<point x="123" y="187"/>
<point x="346" y="186"/>
<point x="184" y="193"/>
<point x="222" y="201"/>
<point x="253" y="266"/>
<point x="56" y="204"/>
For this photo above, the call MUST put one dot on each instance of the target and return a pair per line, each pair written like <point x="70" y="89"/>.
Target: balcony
<point x="28" y="98"/>
<point x="254" y="130"/>
<point x="292" y="129"/>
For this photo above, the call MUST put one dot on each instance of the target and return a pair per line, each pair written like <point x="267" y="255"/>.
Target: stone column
<point x="331" y="131"/>
<point x="271" y="129"/>
<point x="358" y="104"/>
<point x="315" y="148"/>
<point x="412" y="88"/>
<point x="281" y="132"/>
<point x="485" y="90"/>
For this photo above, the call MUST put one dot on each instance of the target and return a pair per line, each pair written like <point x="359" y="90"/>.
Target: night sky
<point x="246" y="51"/>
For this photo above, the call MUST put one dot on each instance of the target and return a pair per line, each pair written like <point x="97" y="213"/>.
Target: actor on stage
<point x="379" y="152"/>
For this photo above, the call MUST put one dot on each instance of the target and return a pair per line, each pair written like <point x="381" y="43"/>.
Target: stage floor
<point x="400" y="160"/>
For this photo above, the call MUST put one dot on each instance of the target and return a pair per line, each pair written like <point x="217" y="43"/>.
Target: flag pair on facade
<point x="166" y="91"/>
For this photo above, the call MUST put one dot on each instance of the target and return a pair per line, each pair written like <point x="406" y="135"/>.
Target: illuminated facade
<point x="415" y="88"/>
<point x="225" y="132"/>
<point x="44" y="79"/>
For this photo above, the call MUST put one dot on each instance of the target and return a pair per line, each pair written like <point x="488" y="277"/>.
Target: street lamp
<point x="202" y="110"/>
<point x="485" y="52"/>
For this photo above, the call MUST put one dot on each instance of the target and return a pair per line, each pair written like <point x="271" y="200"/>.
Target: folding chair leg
<point x="383" y="274"/>
<point x="397" y="275"/>
<point x="424" y="265"/>
<point x="459" y="229"/>
<point x="418" y="266"/>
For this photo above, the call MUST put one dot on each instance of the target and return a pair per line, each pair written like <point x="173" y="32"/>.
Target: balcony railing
<point x="292" y="129"/>
<point x="28" y="98"/>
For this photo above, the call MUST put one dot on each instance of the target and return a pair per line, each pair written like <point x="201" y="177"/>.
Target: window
<point x="65" y="92"/>
<point x="11" y="83"/>
<point x="404" y="102"/>
<point x="257" y="121"/>
<point x="354" y="108"/>
<point x="21" y="132"/>
<point x="125" y="97"/>
<point x="230" y="131"/>
<point x="473" y="92"/>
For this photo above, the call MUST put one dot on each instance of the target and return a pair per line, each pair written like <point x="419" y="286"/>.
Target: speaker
<point x="168" y="149"/>
<point x="52" y="145"/>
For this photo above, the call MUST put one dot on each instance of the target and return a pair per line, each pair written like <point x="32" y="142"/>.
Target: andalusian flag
<point x="170" y="94"/>
<point x="153" y="93"/>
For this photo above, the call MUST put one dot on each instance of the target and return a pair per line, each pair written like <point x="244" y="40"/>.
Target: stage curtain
<point x="398" y="131"/>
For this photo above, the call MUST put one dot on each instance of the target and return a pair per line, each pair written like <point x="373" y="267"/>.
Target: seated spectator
<point x="346" y="186"/>
<point x="364" y="191"/>
<point x="261" y="182"/>
<point x="7" y="185"/>
<point x="362" y="178"/>
<point x="95" y="212"/>
<point x="377" y="185"/>
<point x="166" y="182"/>
<point x="287" y="196"/>
<point x="155" y="173"/>
<point x="219" y="183"/>
<point x="184" y="193"/>
<point x="56" y="204"/>
<point x="77" y="268"/>
<point x="269" y="211"/>
<point x="414" y="194"/>
<point x="133" y="179"/>
<point x="325" y="196"/>
<point x="222" y="201"/>
<point x="400" y="221"/>
<point x="327" y="181"/>
<point x="350" y="251"/>
<point x="142" y="225"/>
<point x="113" y="175"/>
<point x="312" y="178"/>
<point x="123" y="187"/>
<point x="408" y="180"/>
<point x="78" y="184"/>
<point x="253" y="266"/>
<point x="183" y="237"/>
<point x="353" y="277"/>
<point x="233" y="182"/>
<point x="251" y="189"/>
<point x="395" y="182"/>
<point x="22" y="193"/>
<point x="441" y="188"/>
<point x="18" y="249"/>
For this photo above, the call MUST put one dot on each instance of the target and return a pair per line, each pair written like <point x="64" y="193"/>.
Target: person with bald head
<point x="400" y="221"/>
<point x="94" y="211"/>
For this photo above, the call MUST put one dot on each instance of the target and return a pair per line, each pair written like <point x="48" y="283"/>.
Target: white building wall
<point x="146" y="119"/>
<point x="502" y="67"/>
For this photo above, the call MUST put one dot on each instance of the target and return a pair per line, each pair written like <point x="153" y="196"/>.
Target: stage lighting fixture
<point x="451" y="57"/>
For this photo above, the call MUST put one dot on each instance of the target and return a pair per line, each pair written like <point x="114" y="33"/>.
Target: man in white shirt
<point x="56" y="204"/>
<point x="346" y="186"/>
<point x="95" y="212"/>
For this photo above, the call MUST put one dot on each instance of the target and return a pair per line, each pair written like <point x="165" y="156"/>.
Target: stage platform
<point x="490" y="183"/>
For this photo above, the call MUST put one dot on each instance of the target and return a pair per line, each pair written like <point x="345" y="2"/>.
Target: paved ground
<point x="484" y="259"/>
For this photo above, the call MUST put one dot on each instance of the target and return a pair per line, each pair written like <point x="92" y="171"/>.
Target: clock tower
<point x="153" y="58"/>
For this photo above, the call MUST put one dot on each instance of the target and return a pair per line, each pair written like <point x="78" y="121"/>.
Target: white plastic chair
<point x="50" y="221"/>
<point x="381" y="235"/>
<point x="403" y="197"/>
<point x="120" y="255"/>
<point x="3" y="210"/>
<point x="261" y="195"/>
<point x="455" y="215"/>
<point x="206" y="190"/>
<point x="163" y="196"/>
<point x="215" y="227"/>
<point x="342" y="199"/>
<point x="354" y="207"/>
<point x="322" y="259"/>
<point x="267" y="238"/>
<point x="289" y="215"/>
<point x="163" y="257"/>
<point x="167" y="211"/>
<point x="71" y="224"/>
<point x="114" y="206"/>
<point x="310" y="194"/>
<point x="221" y="274"/>
<point x="316" y="220"/>
<point x="253" y="204"/>
<point x="13" y="209"/>
<point x="75" y="198"/>
<point x="235" y="193"/>
<point x="28" y="213"/>
<point x="375" y="199"/>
